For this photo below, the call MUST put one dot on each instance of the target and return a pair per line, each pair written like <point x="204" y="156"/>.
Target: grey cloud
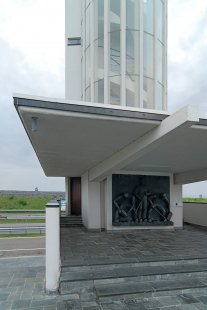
<point x="19" y="167"/>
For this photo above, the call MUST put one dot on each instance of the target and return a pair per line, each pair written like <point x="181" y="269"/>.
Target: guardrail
<point x="22" y="211"/>
<point x="24" y="229"/>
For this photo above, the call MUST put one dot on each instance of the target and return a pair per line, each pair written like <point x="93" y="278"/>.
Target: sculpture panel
<point x="140" y="200"/>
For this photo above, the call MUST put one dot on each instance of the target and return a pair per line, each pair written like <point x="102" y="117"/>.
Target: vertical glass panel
<point x="148" y="94"/>
<point x="99" y="91"/>
<point x="99" y="58"/>
<point x="159" y="62"/>
<point x="132" y="91"/>
<point x="132" y="14"/>
<point x="114" y="53"/>
<point x="88" y="67"/>
<point x="88" y="94"/>
<point x="159" y="19"/>
<point x="148" y="55"/>
<point x="115" y="90"/>
<point x="159" y="97"/>
<point x="148" y="16"/>
<point x="132" y="52"/>
<point x="99" y="18"/>
<point x="87" y="36"/>
<point x="114" y="15"/>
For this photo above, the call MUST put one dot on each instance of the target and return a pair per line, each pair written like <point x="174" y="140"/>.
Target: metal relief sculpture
<point x="141" y="206"/>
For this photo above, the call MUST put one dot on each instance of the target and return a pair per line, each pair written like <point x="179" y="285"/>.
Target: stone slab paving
<point x="79" y="247"/>
<point x="22" y="279"/>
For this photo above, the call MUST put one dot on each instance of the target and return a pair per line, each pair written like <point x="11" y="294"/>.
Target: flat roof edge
<point x="73" y="106"/>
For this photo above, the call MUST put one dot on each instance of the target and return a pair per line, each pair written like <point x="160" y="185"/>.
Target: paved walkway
<point x="12" y="247"/>
<point x="22" y="287"/>
<point x="81" y="247"/>
<point x="22" y="278"/>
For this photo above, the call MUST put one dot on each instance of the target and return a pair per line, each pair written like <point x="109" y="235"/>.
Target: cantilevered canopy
<point x="71" y="138"/>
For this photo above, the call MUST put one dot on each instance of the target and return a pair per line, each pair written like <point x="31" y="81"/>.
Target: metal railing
<point x="23" y="229"/>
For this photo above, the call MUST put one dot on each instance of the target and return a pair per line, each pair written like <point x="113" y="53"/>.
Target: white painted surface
<point x="68" y="195"/>
<point x="195" y="213"/>
<point x="89" y="104"/>
<point x="69" y="143"/>
<point x="72" y="53"/>
<point x="52" y="247"/>
<point x="176" y="202"/>
<point x="90" y="202"/>
<point x="84" y="199"/>
<point x="145" y="145"/>
<point x="192" y="176"/>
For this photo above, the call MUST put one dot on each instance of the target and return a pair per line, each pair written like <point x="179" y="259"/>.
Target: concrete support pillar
<point x="52" y="246"/>
<point x="68" y="195"/>
<point x="91" y="204"/>
<point x="177" y="205"/>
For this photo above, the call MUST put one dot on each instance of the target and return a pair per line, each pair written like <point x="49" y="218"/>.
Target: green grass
<point x="15" y="221"/>
<point x="21" y="203"/>
<point x="199" y="200"/>
<point x="22" y="235"/>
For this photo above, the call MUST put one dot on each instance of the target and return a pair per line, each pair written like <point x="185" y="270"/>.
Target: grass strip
<point x="22" y="235"/>
<point x="22" y="203"/>
<point x="20" y="221"/>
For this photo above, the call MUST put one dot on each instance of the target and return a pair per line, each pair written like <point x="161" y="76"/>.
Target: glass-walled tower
<point x="124" y="45"/>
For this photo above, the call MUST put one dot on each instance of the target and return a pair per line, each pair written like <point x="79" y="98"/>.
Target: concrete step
<point x="135" y="278"/>
<point x="138" y="288"/>
<point x="115" y="262"/>
<point x="71" y="221"/>
<point x="121" y="272"/>
<point x="150" y="287"/>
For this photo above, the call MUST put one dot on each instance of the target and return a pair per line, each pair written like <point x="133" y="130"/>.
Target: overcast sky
<point x="32" y="62"/>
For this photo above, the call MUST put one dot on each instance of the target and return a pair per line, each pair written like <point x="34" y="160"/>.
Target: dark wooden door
<point x="75" y="196"/>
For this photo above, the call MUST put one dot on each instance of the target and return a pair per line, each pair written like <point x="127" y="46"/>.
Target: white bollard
<point x="52" y="247"/>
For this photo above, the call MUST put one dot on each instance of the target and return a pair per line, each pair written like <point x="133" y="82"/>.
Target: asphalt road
<point x="12" y="247"/>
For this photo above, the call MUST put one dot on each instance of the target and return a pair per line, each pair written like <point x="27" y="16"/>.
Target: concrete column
<point x="91" y="204"/>
<point x="68" y="195"/>
<point x="52" y="246"/>
<point x="177" y="205"/>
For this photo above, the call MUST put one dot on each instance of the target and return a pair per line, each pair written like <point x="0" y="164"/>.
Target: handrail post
<point x="52" y="246"/>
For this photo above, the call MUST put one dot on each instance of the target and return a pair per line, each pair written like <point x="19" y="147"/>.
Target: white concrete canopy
<point x="72" y="138"/>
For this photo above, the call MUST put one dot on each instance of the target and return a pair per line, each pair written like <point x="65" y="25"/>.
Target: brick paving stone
<point x="200" y="307"/>
<point x="21" y="304"/>
<point x="188" y="299"/>
<point x="3" y="296"/>
<point x="22" y="282"/>
<point x="43" y="302"/>
<point x="203" y="299"/>
<point x="140" y="306"/>
<point x="5" y="305"/>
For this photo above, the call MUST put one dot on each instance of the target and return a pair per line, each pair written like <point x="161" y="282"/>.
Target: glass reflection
<point x="115" y="90"/>
<point x="114" y="53"/>
<point x="148" y="16"/>
<point x="132" y="14"/>
<point x="148" y="55"/>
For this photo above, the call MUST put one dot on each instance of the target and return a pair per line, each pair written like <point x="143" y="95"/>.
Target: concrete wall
<point x="97" y="203"/>
<point x="72" y="53"/>
<point x="90" y="202"/>
<point x="195" y="213"/>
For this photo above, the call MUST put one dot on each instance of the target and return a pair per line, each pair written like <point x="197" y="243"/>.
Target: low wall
<point x="195" y="213"/>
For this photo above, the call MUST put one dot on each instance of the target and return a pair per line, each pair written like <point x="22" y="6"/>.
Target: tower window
<point x="74" y="41"/>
